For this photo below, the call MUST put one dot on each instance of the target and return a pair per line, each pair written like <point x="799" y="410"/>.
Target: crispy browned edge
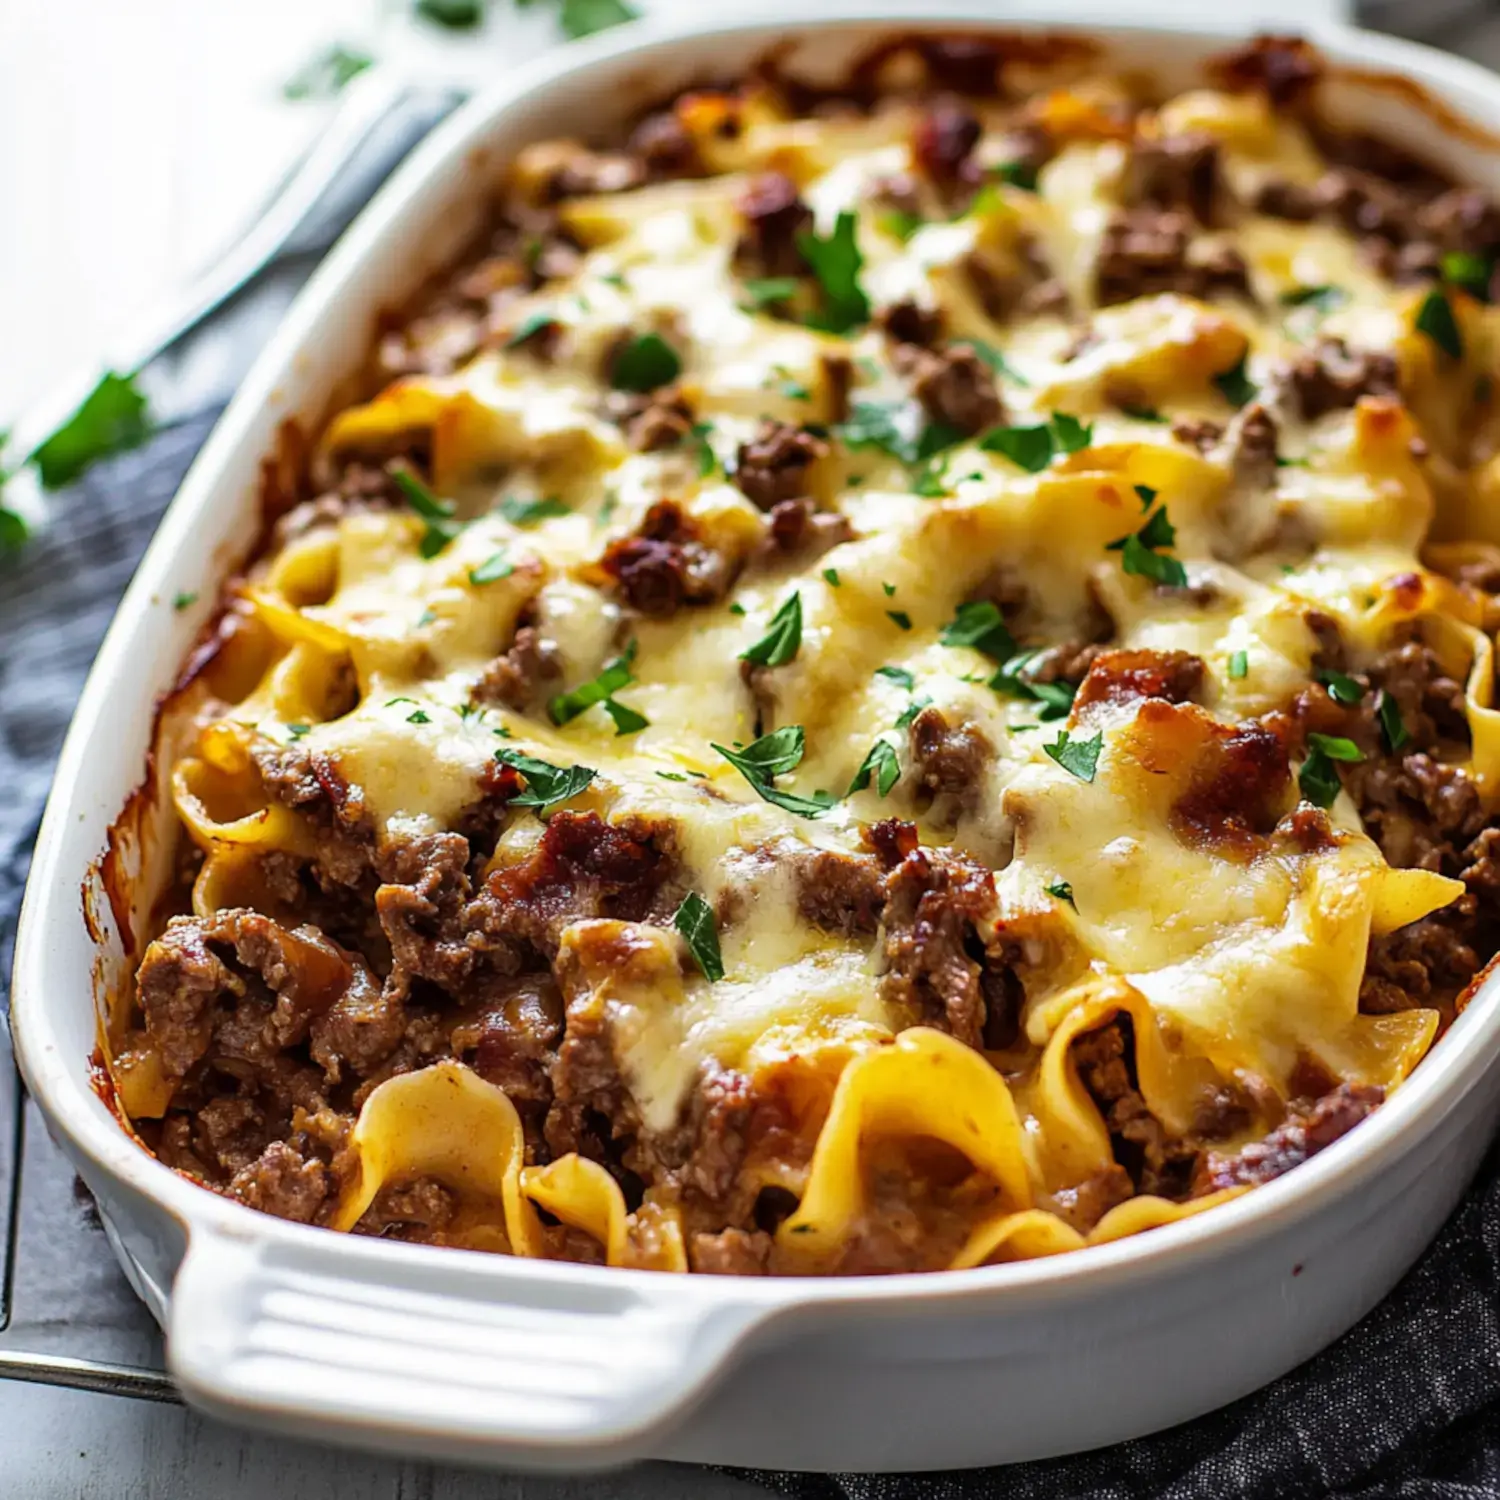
<point x="283" y="471"/>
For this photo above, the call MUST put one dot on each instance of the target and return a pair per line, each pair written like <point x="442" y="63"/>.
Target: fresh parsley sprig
<point x="783" y="637"/>
<point x="601" y="690"/>
<point x="1033" y="448"/>
<point x="1139" y="552"/>
<point x="980" y="624"/>
<point x="546" y="785"/>
<point x="1319" y="777"/>
<point x="882" y="765"/>
<point x="694" y="920"/>
<point x="773" y="755"/>
<point x="836" y="262"/>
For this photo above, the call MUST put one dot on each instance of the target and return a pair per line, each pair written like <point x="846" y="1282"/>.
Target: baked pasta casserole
<point x="883" y="680"/>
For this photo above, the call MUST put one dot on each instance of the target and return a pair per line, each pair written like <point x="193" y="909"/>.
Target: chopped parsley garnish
<point x="911" y="710"/>
<point x="831" y="577"/>
<point x="1056" y="698"/>
<point x="1319" y="777"/>
<point x="766" y="291"/>
<point x="579" y="18"/>
<point x="794" y="390"/>
<point x="1143" y="413"/>
<point x="898" y="675"/>
<point x="1146" y="495"/>
<point x="836" y="263"/>
<point x="529" y="326"/>
<point x="1468" y="271"/>
<point x="931" y="481"/>
<point x="426" y="618"/>
<point x="392" y="702"/>
<point x="708" y="460"/>
<point x="529" y="512"/>
<point x="1060" y="890"/>
<point x="418" y="716"/>
<point x="1139" y="554"/>
<point x="1341" y="688"/>
<point x="325" y="74"/>
<point x="437" y="515"/>
<point x="998" y="362"/>
<point x="979" y="624"/>
<point x="1019" y="174"/>
<point x="1435" y="319"/>
<point x="296" y="731"/>
<point x="1070" y="435"/>
<point x="644" y="364"/>
<point x="890" y="589"/>
<point x="899" y="617"/>
<point x="1235" y="385"/>
<point x="695" y="921"/>
<point x="736" y="608"/>
<point x="671" y="775"/>
<point x="1239" y="665"/>
<point x="495" y="567"/>
<point x="546" y="784"/>
<point x="882" y="765"/>
<point x="1392" y="730"/>
<point x="13" y="528"/>
<point x="1033" y="448"/>
<point x="783" y="637"/>
<point x="1078" y="758"/>
<point x="1324" y="298"/>
<point x="773" y="755"/>
<point x="602" y="689"/>
<point x="112" y="418"/>
<point x="184" y="600"/>
<point x="456" y="15"/>
<point x="900" y="225"/>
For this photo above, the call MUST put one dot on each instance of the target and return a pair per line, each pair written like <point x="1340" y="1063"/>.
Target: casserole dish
<point x="549" y="1364"/>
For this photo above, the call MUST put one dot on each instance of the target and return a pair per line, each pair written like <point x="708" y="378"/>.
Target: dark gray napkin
<point x="1405" y="1406"/>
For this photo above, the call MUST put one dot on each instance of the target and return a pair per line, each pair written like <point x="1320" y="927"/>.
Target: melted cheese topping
<point x="1247" y="964"/>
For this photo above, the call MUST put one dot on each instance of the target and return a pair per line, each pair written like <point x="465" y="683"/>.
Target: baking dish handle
<point x="468" y="1356"/>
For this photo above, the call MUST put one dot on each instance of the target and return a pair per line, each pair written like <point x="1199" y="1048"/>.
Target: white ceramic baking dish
<point x="458" y="1354"/>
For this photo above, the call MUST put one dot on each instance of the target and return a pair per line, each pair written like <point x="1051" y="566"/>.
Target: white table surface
<point x="134" y="137"/>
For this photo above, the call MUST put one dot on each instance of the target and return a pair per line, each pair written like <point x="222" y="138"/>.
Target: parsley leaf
<point x="979" y="624"/>
<point x="1029" y="448"/>
<point x="579" y="18"/>
<point x="1324" y="298"/>
<point x="1392" y="730"/>
<point x="831" y="577"/>
<point x="1435" y="319"/>
<point x="495" y="567"/>
<point x="602" y="689"/>
<point x="1079" y="758"/>
<point x="437" y="515"/>
<point x="1471" y="272"/>
<point x="695" y="921"/>
<point x="1239" y="665"/>
<point x="1319" y="777"/>
<point x="644" y="364"/>
<point x="456" y="15"/>
<point x="780" y="643"/>
<point x="1138" y="554"/>
<point x="112" y="418"/>
<point x="529" y="326"/>
<point x="1235" y="385"/>
<point x="1341" y="688"/>
<point x="1033" y="448"/>
<point x="900" y="225"/>
<point x="13" y="528"/>
<point x="871" y="425"/>
<point x="998" y="362"/>
<point x="418" y="716"/>
<point x="1018" y="174"/>
<point x="772" y="755"/>
<point x="1060" y="890"/>
<point x="765" y="291"/>
<point x="324" y="75"/>
<point x="1069" y="433"/>
<point x="898" y="675"/>
<point x="882" y="764"/>
<point x="836" y="262"/>
<point x="708" y="460"/>
<point x="528" y="512"/>
<point x="899" y="617"/>
<point x="1146" y="495"/>
<point x="546" y="784"/>
<point x="1056" y="698"/>
<point x="1143" y="413"/>
<point x="911" y="710"/>
<point x="185" y="600"/>
<point x="296" y="731"/>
